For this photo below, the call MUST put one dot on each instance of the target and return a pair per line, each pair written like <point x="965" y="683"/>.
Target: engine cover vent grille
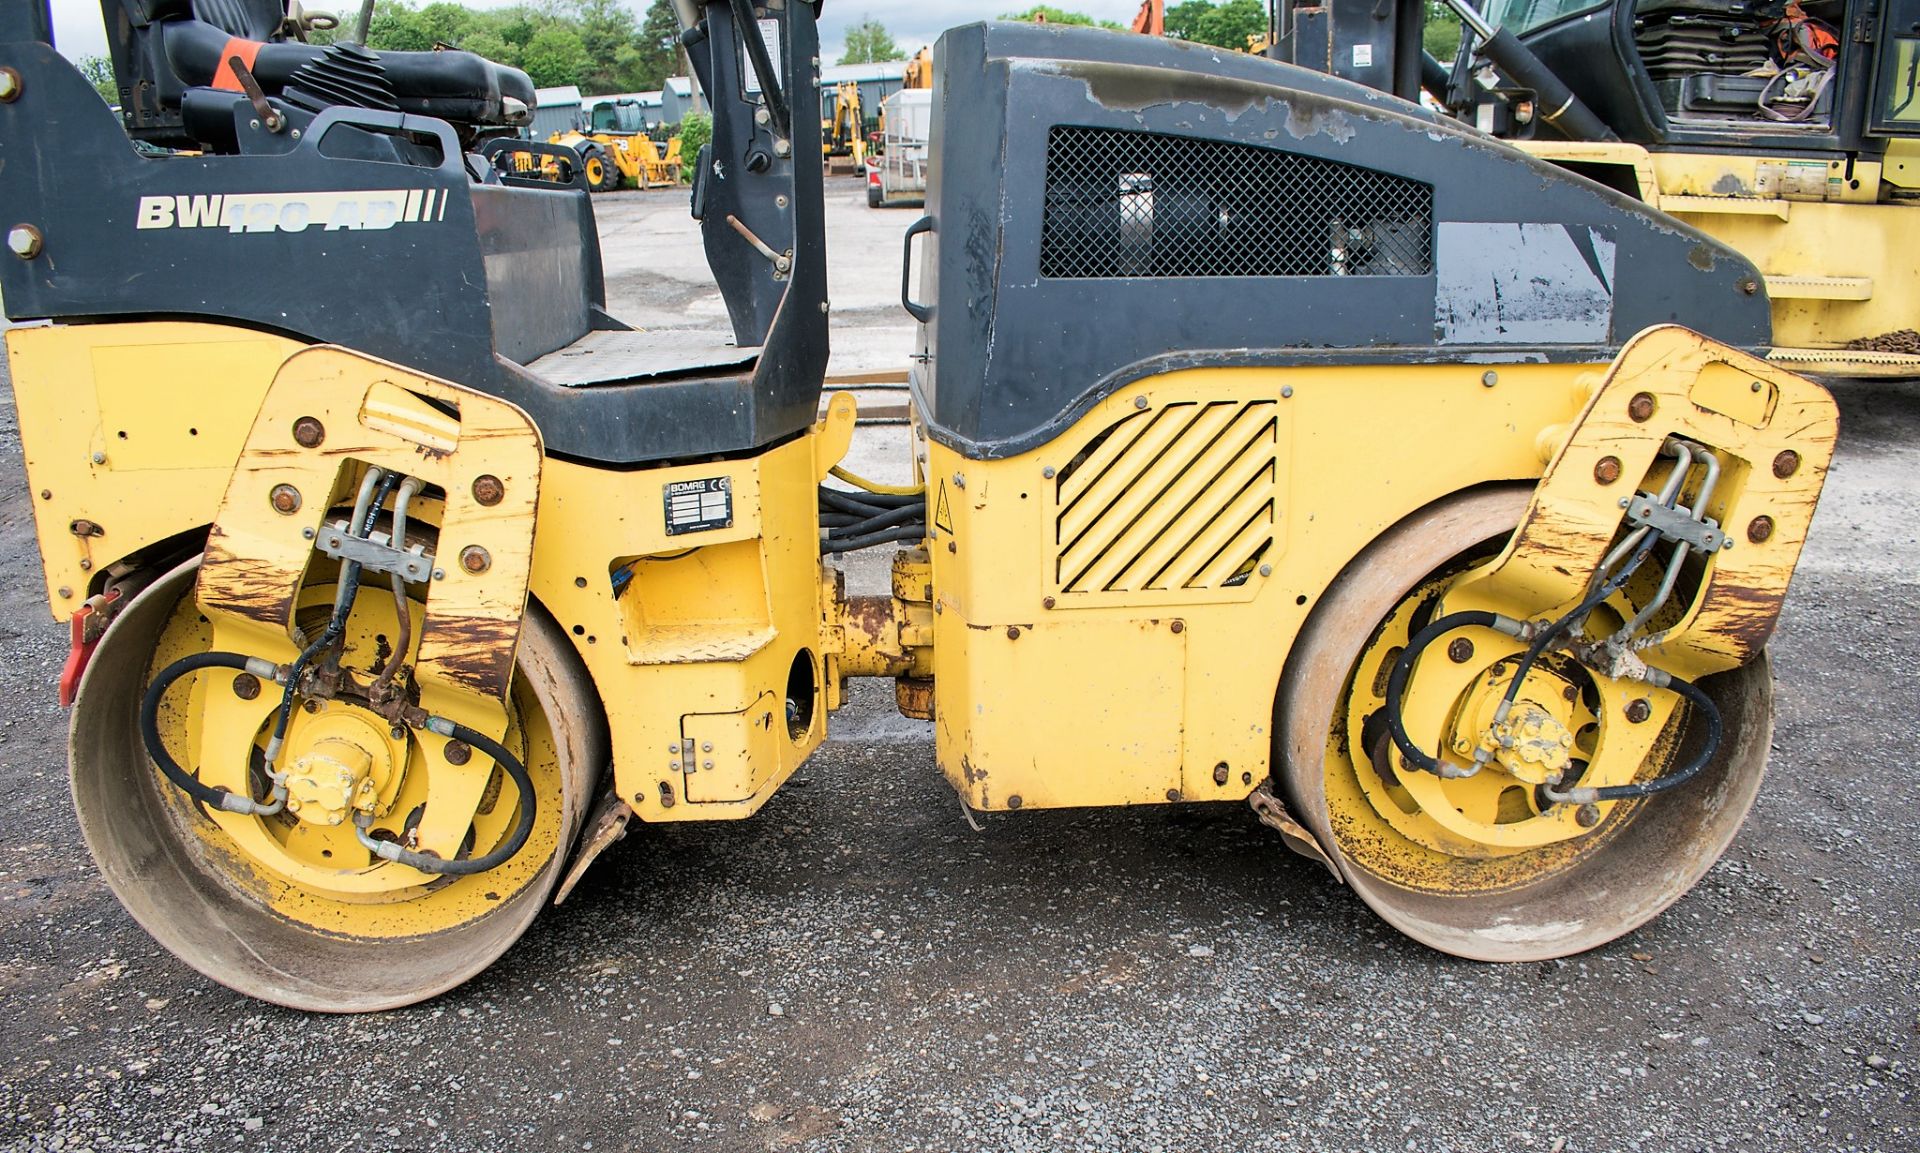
<point x="1123" y="203"/>
<point x="1175" y="499"/>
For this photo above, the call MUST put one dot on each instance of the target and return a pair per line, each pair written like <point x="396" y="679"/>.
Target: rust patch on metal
<point x="1759" y="529"/>
<point x="258" y="590"/>
<point x="1640" y="408"/>
<point x="308" y="432"/>
<point x="1786" y="463"/>
<point x="475" y="559"/>
<point x="870" y="616"/>
<point x="1606" y="470"/>
<point x="488" y="490"/>
<point x="607" y="825"/>
<point x="913" y="697"/>
<point x="475" y="652"/>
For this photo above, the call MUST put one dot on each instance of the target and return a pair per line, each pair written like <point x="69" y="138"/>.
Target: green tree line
<point x="599" y="45"/>
<point x="602" y="46"/>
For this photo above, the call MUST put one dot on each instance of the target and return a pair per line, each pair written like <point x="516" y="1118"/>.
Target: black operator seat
<point x="179" y="45"/>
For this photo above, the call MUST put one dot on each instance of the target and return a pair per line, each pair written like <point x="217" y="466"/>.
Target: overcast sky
<point x="78" y="31"/>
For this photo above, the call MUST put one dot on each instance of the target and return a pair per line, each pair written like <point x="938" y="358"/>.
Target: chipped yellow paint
<point x="1167" y="693"/>
<point x="1571" y="521"/>
<point x="1106" y="627"/>
<point x="374" y="414"/>
<point x="108" y="390"/>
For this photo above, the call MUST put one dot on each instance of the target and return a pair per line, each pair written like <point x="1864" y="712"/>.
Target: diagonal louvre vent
<point x="1124" y="203"/>
<point x="1178" y="498"/>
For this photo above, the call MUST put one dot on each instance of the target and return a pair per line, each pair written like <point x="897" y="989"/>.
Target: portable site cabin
<point x="899" y="173"/>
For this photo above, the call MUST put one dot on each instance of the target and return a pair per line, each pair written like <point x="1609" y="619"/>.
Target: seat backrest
<point x="246" y="19"/>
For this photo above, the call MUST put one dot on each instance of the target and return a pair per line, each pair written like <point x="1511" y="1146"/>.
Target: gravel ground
<point x="856" y="969"/>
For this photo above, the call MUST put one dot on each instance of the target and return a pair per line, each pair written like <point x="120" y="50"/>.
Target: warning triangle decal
<point x="942" y="514"/>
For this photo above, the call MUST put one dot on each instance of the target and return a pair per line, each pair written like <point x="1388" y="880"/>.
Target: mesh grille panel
<point x="1143" y="204"/>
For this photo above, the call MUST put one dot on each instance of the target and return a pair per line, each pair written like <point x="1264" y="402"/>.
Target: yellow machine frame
<point x="1167" y="687"/>
<point x="1836" y="253"/>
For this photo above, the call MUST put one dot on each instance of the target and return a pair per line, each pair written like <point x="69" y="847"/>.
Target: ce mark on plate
<point x="698" y="505"/>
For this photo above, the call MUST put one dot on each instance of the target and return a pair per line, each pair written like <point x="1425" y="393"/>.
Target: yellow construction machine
<point x="615" y="149"/>
<point x="843" y="133"/>
<point x="1788" y="129"/>
<point x="1276" y="442"/>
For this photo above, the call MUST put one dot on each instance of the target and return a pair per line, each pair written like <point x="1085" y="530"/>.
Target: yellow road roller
<point x="1277" y="442"/>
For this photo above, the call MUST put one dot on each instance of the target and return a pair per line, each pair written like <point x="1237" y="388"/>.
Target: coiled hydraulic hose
<point x="856" y="520"/>
<point x="1403" y="667"/>
<point x="427" y="863"/>
<point x="1680" y="776"/>
<point x="213" y="796"/>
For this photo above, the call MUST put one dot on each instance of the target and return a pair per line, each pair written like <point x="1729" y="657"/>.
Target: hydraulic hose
<point x="366" y="510"/>
<point x="1578" y="613"/>
<point x="212" y="796"/>
<point x="1403" y="667"/>
<point x="1680" y="776"/>
<point x="867" y="504"/>
<point x="874" y="486"/>
<point x="868" y="540"/>
<point x="441" y="866"/>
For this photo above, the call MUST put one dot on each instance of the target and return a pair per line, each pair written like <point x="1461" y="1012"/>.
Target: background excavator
<point x="1788" y="130"/>
<point x="843" y="133"/>
<point x="1276" y="442"/>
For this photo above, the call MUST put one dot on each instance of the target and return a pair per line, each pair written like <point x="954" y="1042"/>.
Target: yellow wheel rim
<point x="272" y="915"/>
<point x="1492" y="902"/>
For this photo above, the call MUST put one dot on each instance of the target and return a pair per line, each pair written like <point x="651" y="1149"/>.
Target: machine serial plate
<point x="698" y="505"/>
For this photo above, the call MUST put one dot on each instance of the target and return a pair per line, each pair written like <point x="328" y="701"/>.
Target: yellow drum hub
<point x="1449" y="710"/>
<point x="1534" y="744"/>
<point x="342" y="765"/>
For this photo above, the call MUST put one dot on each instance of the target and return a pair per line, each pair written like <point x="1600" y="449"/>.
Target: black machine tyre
<point x="873" y="196"/>
<point x="174" y="872"/>
<point x="1532" y="905"/>
<point x="601" y="175"/>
